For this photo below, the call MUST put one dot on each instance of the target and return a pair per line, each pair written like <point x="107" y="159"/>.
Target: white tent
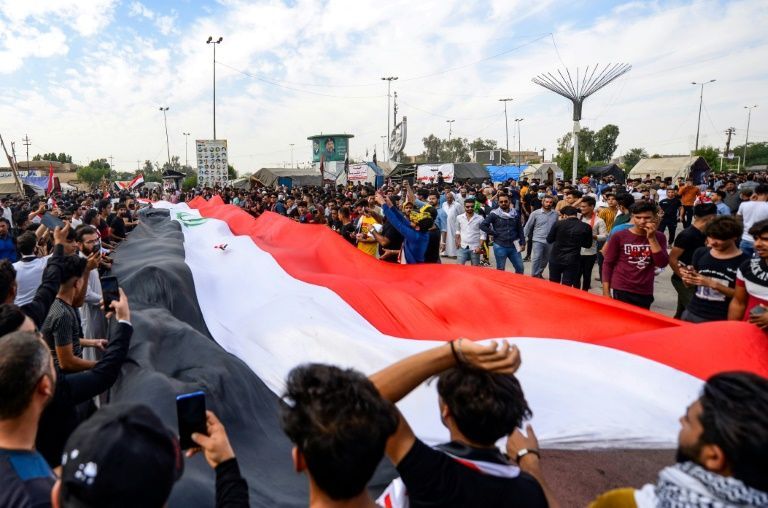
<point x="546" y="172"/>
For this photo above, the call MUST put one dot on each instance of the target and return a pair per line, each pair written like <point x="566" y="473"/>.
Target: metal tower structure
<point x="577" y="90"/>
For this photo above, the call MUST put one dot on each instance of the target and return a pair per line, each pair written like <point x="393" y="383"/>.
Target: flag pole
<point x="14" y="169"/>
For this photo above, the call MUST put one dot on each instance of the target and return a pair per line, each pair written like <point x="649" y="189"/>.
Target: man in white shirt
<point x="469" y="237"/>
<point x="752" y="212"/>
<point x="94" y="324"/>
<point x="7" y="213"/>
<point x="29" y="269"/>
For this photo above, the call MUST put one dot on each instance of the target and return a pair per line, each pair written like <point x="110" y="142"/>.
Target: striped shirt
<point x="62" y="327"/>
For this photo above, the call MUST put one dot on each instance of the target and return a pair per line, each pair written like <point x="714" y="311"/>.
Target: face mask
<point x="541" y="195"/>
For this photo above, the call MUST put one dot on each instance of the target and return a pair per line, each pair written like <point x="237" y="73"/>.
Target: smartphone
<point x="758" y="311"/>
<point x="51" y="222"/>
<point x="190" y="410"/>
<point x="110" y="291"/>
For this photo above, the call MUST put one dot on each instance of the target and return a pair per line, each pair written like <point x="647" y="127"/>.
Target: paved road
<point x="577" y="477"/>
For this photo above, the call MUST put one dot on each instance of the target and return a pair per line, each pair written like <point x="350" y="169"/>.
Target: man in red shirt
<point x="750" y="301"/>
<point x="688" y="194"/>
<point x="632" y="255"/>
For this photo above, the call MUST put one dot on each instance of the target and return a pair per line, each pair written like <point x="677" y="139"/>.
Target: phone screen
<point x="51" y="222"/>
<point x="110" y="291"/>
<point x="190" y="410"/>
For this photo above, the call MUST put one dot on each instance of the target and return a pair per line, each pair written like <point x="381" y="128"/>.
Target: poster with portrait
<point x="211" y="162"/>
<point x="332" y="148"/>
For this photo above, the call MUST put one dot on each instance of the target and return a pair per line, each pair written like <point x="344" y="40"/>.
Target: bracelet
<point x="455" y="354"/>
<point x="525" y="451"/>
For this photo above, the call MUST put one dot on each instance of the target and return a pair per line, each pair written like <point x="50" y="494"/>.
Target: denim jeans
<point x="747" y="248"/>
<point x="540" y="256"/>
<point x="467" y="254"/>
<point x="503" y="253"/>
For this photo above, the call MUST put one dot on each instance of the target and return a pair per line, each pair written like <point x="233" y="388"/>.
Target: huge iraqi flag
<point x="597" y="373"/>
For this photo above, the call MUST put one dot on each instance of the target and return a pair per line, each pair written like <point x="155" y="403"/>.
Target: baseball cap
<point x="123" y="456"/>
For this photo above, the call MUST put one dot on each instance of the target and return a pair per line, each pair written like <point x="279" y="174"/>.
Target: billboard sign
<point x="332" y="148"/>
<point x="211" y="162"/>
<point x="357" y="173"/>
<point x="428" y="172"/>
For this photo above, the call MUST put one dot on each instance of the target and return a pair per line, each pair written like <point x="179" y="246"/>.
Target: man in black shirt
<point x="480" y="402"/>
<point x="686" y="243"/>
<point x="348" y="228"/>
<point x="568" y="236"/>
<point x="713" y="271"/>
<point x="117" y="224"/>
<point x="672" y="209"/>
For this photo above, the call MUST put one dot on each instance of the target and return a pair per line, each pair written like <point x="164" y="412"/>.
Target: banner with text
<point x="428" y="172"/>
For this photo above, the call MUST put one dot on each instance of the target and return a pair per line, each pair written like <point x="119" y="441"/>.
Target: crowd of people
<point x="709" y="234"/>
<point x="61" y="445"/>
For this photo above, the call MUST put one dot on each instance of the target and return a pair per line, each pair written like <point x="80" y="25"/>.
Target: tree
<point x="231" y="173"/>
<point x="633" y="156"/>
<point x="565" y="161"/>
<point x="757" y="153"/>
<point x="455" y="150"/>
<point x="586" y="142"/>
<point x="710" y="154"/>
<point x="432" y="147"/>
<point x="604" y="143"/>
<point x="94" y="172"/>
<point x="189" y="182"/>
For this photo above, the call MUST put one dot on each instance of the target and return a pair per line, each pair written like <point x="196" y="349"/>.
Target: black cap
<point x="123" y="456"/>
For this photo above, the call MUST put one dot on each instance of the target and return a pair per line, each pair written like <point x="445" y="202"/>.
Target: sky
<point x="87" y="77"/>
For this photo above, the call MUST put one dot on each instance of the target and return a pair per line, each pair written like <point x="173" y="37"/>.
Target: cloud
<point x="316" y="67"/>
<point x="166" y="24"/>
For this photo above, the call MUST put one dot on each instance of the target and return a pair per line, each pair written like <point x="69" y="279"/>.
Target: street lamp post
<point x="506" y="123"/>
<point x="746" y="138"/>
<point x="292" y="153"/>
<point x="701" y="101"/>
<point x="389" y="80"/>
<point x="517" y="121"/>
<point x="450" y="128"/>
<point x="215" y="43"/>
<point x="164" y="109"/>
<point x="186" y="148"/>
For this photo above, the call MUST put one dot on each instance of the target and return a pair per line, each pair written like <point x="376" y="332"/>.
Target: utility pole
<point x="517" y="121"/>
<point x="450" y="128"/>
<point x="506" y="123"/>
<point x="138" y="168"/>
<point x="186" y="148"/>
<point x="389" y="80"/>
<point x="746" y="138"/>
<point x="111" y="165"/>
<point x="292" y="153"/>
<point x="701" y="101"/>
<point x="27" y="142"/>
<point x="215" y="43"/>
<point x="730" y="131"/>
<point x="164" y="109"/>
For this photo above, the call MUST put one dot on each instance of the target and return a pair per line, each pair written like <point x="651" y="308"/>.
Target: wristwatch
<point x="525" y="451"/>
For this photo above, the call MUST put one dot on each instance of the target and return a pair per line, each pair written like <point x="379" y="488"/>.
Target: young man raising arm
<point x="480" y="402"/>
